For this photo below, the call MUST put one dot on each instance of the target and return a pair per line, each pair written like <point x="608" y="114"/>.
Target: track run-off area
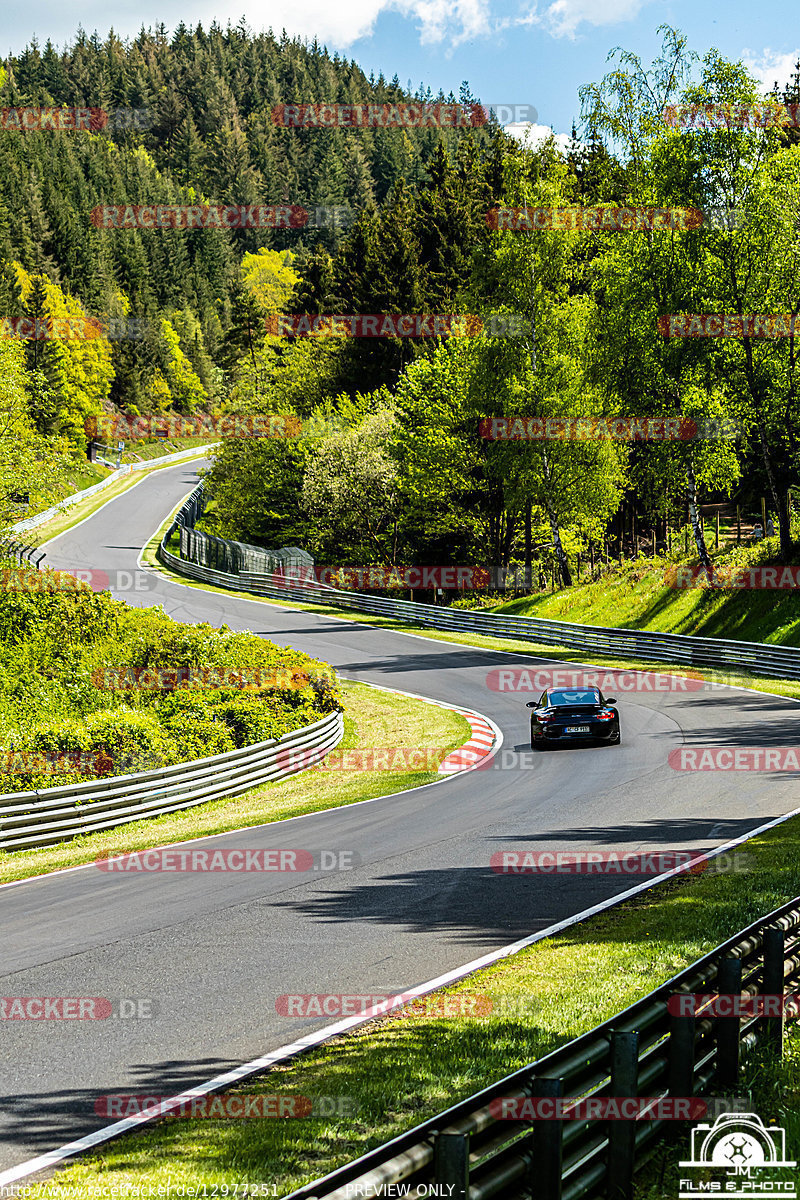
<point x="212" y="952"/>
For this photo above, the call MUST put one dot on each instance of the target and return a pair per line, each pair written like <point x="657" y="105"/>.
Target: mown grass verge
<point x="373" y="718"/>
<point x="393" y="1073"/>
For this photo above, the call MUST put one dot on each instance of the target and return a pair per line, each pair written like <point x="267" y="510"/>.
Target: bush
<point x="482" y="599"/>
<point x="250" y="719"/>
<point x="58" y="644"/>
<point x="130" y="741"/>
<point x="200" y="738"/>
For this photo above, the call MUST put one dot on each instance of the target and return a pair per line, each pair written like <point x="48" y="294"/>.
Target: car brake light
<point x="606" y="716"/>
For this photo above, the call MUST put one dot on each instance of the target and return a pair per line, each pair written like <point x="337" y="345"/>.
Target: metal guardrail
<point x="148" y="464"/>
<point x="719" y="653"/>
<point x="40" y="818"/>
<point x="643" y="1051"/>
<point x="22" y="551"/>
<point x="227" y="555"/>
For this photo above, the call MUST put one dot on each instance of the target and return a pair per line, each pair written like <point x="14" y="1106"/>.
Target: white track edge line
<point x="145" y="474"/>
<point x="258" y="1065"/>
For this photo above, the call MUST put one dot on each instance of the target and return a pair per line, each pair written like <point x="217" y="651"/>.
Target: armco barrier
<point x="21" y="552"/>
<point x="119" y="473"/>
<point x="644" y="1051"/>
<point x="229" y="556"/>
<point x="752" y="657"/>
<point x="40" y="818"/>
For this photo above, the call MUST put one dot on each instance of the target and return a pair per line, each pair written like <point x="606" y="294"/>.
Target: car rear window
<point x="591" y="696"/>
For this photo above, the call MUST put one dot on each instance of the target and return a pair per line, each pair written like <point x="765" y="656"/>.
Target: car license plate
<point x="576" y="729"/>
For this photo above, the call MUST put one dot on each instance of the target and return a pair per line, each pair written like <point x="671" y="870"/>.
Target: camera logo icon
<point x="740" y="1143"/>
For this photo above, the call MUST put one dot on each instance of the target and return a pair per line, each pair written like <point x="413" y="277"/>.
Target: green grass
<point x="141" y="451"/>
<point x="84" y="474"/>
<point x="80" y="475"/>
<point x="635" y="595"/>
<point x="374" y="718"/>
<point x="87" y="507"/>
<point x="402" y="1069"/>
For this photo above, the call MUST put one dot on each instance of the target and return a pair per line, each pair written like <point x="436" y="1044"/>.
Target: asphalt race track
<point x="213" y="951"/>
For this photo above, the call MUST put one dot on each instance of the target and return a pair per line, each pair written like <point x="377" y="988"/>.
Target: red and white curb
<point x="472" y="752"/>
<point x="486" y="740"/>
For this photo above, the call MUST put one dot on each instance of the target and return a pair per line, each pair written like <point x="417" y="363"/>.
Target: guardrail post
<point x="773" y="982"/>
<point x="682" y="1033"/>
<point x="451" y="1163"/>
<point x="729" y="983"/>
<point x="622" y="1134"/>
<point x="544" y="1172"/>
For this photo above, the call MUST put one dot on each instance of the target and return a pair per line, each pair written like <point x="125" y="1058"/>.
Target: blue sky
<point x="511" y="53"/>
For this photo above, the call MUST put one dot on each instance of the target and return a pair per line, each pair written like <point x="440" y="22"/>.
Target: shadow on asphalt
<point x="44" y="1120"/>
<point x="472" y="903"/>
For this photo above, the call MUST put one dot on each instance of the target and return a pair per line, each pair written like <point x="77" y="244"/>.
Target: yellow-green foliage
<point x="72" y="683"/>
<point x="80" y="367"/>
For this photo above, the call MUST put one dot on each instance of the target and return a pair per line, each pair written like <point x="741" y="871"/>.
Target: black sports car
<point x="573" y="714"/>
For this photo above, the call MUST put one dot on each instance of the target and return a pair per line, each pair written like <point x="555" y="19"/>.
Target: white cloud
<point x="457" y="21"/>
<point x="562" y="17"/>
<point x="443" y="22"/>
<point x="534" y="135"/>
<point x="340" y="25"/>
<point x="770" y="66"/>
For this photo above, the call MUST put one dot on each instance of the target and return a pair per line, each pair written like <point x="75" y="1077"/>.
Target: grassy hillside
<point x="637" y="595"/>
